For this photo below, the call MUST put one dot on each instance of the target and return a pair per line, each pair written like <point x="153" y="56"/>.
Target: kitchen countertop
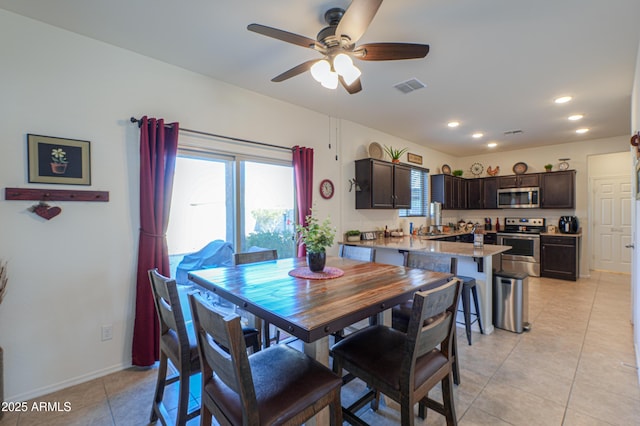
<point x="428" y="244"/>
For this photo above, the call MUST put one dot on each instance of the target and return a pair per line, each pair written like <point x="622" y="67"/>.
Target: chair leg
<point x="467" y="311"/>
<point x="454" y="354"/>
<point x="183" y="397"/>
<point x="335" y="409"/>
<point x="160" y="384"/>
<point x="406" y="411"/>
<point x="477" y="305"/>
<point x="447" y="401"/>
<point x="205" y="415"/>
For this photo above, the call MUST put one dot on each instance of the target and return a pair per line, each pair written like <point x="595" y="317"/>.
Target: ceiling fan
<point x="337" y="45"/>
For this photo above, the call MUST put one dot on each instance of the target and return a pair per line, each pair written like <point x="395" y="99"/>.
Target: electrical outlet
<point x="107" y="332"/>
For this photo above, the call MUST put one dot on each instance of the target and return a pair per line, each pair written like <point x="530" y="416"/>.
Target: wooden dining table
<point x="312" y="309"/>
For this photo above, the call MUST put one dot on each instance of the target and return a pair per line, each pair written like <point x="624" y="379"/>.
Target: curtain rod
<point x="198" y="132"/>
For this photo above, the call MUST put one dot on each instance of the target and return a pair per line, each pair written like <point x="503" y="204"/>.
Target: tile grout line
<point x="584" y="337"/>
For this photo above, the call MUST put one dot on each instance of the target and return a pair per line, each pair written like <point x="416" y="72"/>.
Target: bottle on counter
<point x="497" y="224"/>
<point x="386" y="232"/>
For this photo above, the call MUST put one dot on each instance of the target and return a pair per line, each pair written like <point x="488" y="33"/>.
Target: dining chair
<point x="366" y="254"/>
<point x="406" y="366"/>
<point x="178" y="344"/>
<point x="401" y="313"/>
<point x="263" y="326"/>
<point x="278" y="385"/>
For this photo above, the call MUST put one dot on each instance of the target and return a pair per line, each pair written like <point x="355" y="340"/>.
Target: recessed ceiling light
<point x="492" y="144"/>
<point x="575" y="117"/>
<point x="581" y="131"/>
<point x="453" y="123"/>
<point x="562" y="99"/>
<point x="477" y="135"/>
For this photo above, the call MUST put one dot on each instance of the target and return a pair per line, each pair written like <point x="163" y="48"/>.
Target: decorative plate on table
<point x="446" y="169"/>
<point x="520" y="168"/>
<point x="375" y="151"/>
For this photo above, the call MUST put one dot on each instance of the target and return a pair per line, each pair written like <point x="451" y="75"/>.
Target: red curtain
<point x="303" y="172"/>
<point x="158" y="148"/>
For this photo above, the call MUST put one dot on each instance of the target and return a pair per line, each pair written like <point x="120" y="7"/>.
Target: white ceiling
<point x="494" y="65"/>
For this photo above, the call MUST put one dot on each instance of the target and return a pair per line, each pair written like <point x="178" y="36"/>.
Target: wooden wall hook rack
<point x="54" y="194"/>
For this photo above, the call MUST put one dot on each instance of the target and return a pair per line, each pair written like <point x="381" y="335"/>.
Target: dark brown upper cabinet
<point x="383" y="185"/>
<point x="558" y="190"/>
<point x="449" y="190"/>
<point x="519" y="181"/>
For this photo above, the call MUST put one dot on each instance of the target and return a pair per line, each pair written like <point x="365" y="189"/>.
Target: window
<point x="419" y="194"/>
<point x="244" y="202"/>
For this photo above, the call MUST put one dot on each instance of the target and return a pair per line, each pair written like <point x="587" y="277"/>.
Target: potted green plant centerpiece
<point x="394" y="153"/>
<point x="548" y="167"/>
<point x="316" y="237"/>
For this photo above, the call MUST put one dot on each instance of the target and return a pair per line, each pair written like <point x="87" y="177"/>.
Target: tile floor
<point x="575" y="367"/>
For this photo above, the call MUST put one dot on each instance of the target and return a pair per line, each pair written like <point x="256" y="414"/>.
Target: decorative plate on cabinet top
<point x="375" y="151"/>
<point x="520" y="168"/>
<point x="446" y="169"/>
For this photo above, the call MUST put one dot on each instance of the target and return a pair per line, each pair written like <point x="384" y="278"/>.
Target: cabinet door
<point x="530" y="180"/>
<point x="450" y="200"/>
<point x="558" y="190"/>
<point x="460" y="193"/>
<point x="382" y="185"/>
<point x="558" y="257"/>
<point x="402" y="187"/>
<point x="508" y="181"/>
<point x="475" y="193"/>
<point x="490" y="193"/>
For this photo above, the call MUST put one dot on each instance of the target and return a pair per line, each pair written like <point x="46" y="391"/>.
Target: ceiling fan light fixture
<point x="343" y="65"/>
<point x="320" y="70"/>
<point x="330" y="81"/>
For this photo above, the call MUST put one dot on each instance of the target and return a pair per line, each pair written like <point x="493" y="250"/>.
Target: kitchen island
<point x="476" y="262"/>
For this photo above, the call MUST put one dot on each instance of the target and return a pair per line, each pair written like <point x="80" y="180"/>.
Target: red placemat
<point x="326" y="274"/>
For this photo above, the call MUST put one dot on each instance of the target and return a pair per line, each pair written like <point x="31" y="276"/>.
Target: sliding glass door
<point x="227" y="203"/>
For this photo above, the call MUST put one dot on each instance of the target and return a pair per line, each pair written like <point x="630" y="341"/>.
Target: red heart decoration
<point x="47" y="212"/>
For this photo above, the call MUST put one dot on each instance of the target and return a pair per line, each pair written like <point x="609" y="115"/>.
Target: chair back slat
<point x="432" y="318"/>
<point x="435" y="263"/>
<point x="167" y="302"/>
<point x="254" y="256"/>
<point x="222" y="347"/>
<point x="366" y="254"/>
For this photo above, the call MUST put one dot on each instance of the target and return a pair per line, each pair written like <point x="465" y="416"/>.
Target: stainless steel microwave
<point x="519" y="198"/>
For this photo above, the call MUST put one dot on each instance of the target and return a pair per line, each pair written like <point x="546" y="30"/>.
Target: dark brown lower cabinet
<point x="560" y="257"/>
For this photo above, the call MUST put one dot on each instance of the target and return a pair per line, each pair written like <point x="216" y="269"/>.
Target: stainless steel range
<point x="523" y="235"/>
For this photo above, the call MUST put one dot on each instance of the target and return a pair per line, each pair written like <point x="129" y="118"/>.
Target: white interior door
<point x="611" y="225"/>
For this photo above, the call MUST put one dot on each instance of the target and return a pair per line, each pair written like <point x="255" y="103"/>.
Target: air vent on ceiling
<point x="410" y="85"/>
<point x="513" y="132"/>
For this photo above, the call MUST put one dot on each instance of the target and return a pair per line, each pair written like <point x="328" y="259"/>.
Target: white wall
<point x="71" y="275"/>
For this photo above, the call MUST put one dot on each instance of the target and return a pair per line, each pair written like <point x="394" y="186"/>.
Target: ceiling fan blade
<point x="283" y="35"/>
<point x="390" y="51"/>
<point x="299" y="69"/>
<point x="355" y="87"/>
<point x="356" y="18"/>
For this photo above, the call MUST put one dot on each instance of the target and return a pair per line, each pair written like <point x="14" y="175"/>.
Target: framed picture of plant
<point x="58" y="160"/>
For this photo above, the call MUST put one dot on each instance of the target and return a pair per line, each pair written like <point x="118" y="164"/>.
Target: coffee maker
<point x="568" y="224"/>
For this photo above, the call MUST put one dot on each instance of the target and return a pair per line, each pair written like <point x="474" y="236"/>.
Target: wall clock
<point x="476" y="169"/>
<point x="326" y="189"/>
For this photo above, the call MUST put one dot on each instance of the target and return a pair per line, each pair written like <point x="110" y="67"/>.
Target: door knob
<point x="630" y="246"/>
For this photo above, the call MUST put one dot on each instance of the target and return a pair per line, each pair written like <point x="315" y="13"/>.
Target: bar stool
<point x="468" y="289"/>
